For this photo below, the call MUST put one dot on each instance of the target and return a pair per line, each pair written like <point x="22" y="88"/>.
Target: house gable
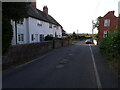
<point x="112" y="21"/>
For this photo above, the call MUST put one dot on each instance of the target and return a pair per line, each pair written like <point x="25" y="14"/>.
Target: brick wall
<point x="113" y="23"/>
<point x="29" y="51"/>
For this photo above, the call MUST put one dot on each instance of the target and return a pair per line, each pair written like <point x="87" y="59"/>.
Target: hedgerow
<point x="110" y="46"/>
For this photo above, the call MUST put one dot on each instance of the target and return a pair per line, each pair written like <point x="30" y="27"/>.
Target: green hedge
<point x="110" y="46"/>
<point x="7" y="34"/>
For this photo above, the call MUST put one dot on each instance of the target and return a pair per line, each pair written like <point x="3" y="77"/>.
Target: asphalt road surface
<point x="75" y="66"/>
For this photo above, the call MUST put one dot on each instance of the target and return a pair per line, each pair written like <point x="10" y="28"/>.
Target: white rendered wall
<point x="30" y="27"/>
<point x="21" y="29"/>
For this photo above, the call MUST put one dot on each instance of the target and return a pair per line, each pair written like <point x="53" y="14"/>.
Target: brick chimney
<point x="112" y="12"/>
<point x="33" y="4"/>
<point x="45" y="10"/>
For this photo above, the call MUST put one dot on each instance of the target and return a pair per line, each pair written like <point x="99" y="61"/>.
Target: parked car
<point x="89" y="41"/>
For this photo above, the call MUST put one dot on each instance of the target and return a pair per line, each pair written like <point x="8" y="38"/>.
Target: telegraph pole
<point x="77" y="33"/>
<point x="92" y="26"/>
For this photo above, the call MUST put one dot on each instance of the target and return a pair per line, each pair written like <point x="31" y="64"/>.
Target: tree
<point x="97" y="22"/>
<point x="15" y="11"/>
<point x="74" y="35"/>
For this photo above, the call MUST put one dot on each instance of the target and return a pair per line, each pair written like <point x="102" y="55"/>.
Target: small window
<point x="41" y="37"/>
<point x="20" y="22"/>
<point x="32" y="37"/>
<point x="107" y="22"/>
<point x="57" y="27"/>
<point x="20" y="37"/>
<point x="50" y="25"/>
<point x="105" y="34"/>
<point x="39" y="23"/>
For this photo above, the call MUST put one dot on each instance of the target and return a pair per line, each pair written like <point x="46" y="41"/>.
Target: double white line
<point x="95" y="70"/>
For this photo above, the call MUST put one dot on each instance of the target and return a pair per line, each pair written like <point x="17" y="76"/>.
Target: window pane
<point x="18" y="37"/>
<point x="39" y="23"/>
<point x="105" y="34"/>
<point x="22" y="37"/>
<point x="50" y="25"/>
<point x="107" y="22"/>
<point x="32" y="37"/>
<point x="41" y="37"/>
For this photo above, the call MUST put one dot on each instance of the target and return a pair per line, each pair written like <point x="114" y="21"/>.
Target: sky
<point x="77" y="15"/>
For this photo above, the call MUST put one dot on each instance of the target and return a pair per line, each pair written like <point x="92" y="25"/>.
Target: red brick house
<point x="107" y="23"/>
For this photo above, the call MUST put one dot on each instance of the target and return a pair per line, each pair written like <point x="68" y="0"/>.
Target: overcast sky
<point x="76" y="15"/>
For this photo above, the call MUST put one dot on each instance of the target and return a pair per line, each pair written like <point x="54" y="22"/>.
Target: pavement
<point x="75" y="66"/>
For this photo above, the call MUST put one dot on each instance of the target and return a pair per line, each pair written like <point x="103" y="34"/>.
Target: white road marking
<point x="95" y="69"/>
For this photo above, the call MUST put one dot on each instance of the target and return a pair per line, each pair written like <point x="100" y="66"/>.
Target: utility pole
<point x="92" y="26"/>
<point x="77" y="33"/>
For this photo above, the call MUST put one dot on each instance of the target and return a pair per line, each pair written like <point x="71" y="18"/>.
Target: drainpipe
<point x="16" y="31"/>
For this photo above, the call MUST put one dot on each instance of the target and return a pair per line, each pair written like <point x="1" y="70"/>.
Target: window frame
<point x="41" y="37"/>
<point x="32" y="37"/>
<point x="106" y="22"/>
<point x="20" y="37"/>
<point x="39" y="23"/>
<point x="20" y="22"/>
<point x="105" y="33"/>
<point x="50" y="25"/>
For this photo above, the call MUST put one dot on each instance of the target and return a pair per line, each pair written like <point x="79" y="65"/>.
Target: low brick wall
<point x="27" y="51"/>
<point x="57" y="43"/>
<point x="66" y="42"/>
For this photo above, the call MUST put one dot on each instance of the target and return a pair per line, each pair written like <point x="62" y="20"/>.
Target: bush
<point x="110" y="46"/>
<point x="7" y="34"/>
<point x="49" y="37"/>
<point x="95" y="36"/>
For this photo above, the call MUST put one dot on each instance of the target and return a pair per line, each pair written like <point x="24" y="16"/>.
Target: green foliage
<point x="74" y="36"/>
<point x="95" y="36"/>
<point x="6" y="34"/>
<point x="97" y="22"/>
<point x="15" y="11"/>
<point x="67" y="38"/>
<point x="49" y="37"/>
<point x="110" y="46"/>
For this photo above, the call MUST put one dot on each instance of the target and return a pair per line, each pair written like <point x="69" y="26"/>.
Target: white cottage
<point x="34" y="28"/>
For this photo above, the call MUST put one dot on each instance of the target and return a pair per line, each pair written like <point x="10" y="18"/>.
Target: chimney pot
<point x="45" y="10"/>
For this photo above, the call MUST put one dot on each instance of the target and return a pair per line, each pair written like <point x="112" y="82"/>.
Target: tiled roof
<point x="38" y="14"/>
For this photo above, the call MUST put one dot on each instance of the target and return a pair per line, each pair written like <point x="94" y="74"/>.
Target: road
<point x="75" y="66"/>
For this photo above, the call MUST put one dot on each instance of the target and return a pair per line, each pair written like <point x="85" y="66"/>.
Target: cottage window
<point x="32" y="37"/>
<point x="50" y="25"/>
<point x="41" y="37"/>
<point x="105" y="34"/>
<point x="107" y="22"/>
<point x="20" y="37"/>
<point x="20" y="22"/>
<point x="39" y="23"/>
<point x="57" y="27"/>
